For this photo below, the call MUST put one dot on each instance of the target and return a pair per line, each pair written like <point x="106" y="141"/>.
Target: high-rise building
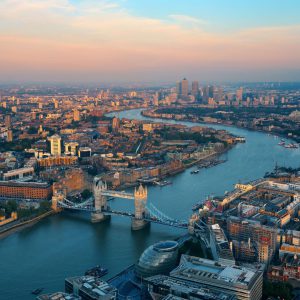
<point x="7" y="121"/>
<point x="205" y="96"/>
<point x="239" y="94"/>
<point x="55" y="145"/>
<point x="211" y="91"/>
<point x="195" y="88"/>
<point x="184" y="87"/>
<point x="76" y="115"/>
<point x="9" y="137"/>
<point x="217" y="93"/>
<point x="115" y="124"/>
<point x="178" y="88"/>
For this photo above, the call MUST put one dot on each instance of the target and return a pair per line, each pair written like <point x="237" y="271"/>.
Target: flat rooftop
<point x="92" y="285"/>
<point x="209" y="270"/>
<point x="188" y="287"/>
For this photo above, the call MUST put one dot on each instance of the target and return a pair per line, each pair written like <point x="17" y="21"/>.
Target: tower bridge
<point x="100" y="210"/>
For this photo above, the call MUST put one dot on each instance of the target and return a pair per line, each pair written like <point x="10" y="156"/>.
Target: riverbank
<point x="147" y="113"/>
<point x="17" y="227"/>
<point x="186" y="166"/>
<point x="70" y="243"/>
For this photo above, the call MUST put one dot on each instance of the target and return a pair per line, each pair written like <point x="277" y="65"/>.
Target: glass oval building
<point x="159" y="258"/>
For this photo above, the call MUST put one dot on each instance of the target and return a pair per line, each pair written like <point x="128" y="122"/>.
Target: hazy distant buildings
<point x="184" y="87"/>
<point x="178" y="88"/>
<point x="195" y="90"/>
<point x="239" y="94"/>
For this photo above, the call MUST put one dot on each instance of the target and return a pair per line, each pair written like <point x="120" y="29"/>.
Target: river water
<point x="67" y="244"/>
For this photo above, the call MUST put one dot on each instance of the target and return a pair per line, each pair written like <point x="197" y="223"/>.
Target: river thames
<point x="67" y="244"/>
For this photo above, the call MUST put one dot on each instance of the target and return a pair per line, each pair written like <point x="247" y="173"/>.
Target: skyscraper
<point x="205" y="94"/>
<point x="195" y="88"/>
<point x="178" y="88"/>
<point x="239" y="94"/>
<point x="184" y="87"/>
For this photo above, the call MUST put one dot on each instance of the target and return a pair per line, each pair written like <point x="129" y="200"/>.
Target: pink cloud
<point x="53" y="37"/>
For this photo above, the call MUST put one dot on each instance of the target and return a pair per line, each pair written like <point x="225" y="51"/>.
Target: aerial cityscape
<point x="149" y="150"/>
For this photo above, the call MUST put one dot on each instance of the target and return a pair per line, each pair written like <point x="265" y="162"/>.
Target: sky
<point x="149" y="41"/>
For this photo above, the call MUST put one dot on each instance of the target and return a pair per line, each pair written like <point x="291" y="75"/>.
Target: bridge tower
<point x="57" y="196"/>
<point x="100" y="202"/>
<point x="140" y="201"/>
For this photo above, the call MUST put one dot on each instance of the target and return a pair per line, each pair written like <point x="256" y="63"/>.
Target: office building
<point x="239" y="94"/>
<point x="57" y="161"/>
<point x="90" y="288"/>
<point x="178" y="88"/>
<point x="71" y="148"/>
<point x="195" y="90"/>
<point x="265" y="237"/>
<point x="160" y="286"/>
<point x="25" y="190"/>
<point x="184" y="87"/>
<point x="159" y="258"/>
<point x="84" y="152"/>
<point x="55" y="145"/>
<point x="18" y="174"/>
<point x="244" y="283"/>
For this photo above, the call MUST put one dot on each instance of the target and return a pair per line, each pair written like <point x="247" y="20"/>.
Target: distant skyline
<point x="149" y="41"/>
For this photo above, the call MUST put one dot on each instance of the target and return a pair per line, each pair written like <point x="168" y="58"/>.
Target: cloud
<point x="188" y="20"/>
<point x="93" y="39"/>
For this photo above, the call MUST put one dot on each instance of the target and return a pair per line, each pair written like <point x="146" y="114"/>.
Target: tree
<point x="86" y="194"/>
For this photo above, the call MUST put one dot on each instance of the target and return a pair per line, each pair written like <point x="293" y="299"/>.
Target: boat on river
<point x="195" y="172"/>
<point x="37" y="291"/>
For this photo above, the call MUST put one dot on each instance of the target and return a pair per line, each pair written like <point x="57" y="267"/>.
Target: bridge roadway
<point x="117" y="194"/>
<point x="147" y="218"/>
<point x="150" y="218"/>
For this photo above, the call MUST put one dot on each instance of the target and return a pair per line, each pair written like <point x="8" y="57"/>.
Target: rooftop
<point x="187" y="287"/>
<point x="209" y="270"/>
<point x="92" y="285"/>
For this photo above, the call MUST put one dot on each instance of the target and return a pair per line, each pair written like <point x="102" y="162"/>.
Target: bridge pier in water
<point x="100" y="202"/>
<point x="140" y="201"/>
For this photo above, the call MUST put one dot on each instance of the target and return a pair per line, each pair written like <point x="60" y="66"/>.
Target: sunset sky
<point x="150" y="41"/>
